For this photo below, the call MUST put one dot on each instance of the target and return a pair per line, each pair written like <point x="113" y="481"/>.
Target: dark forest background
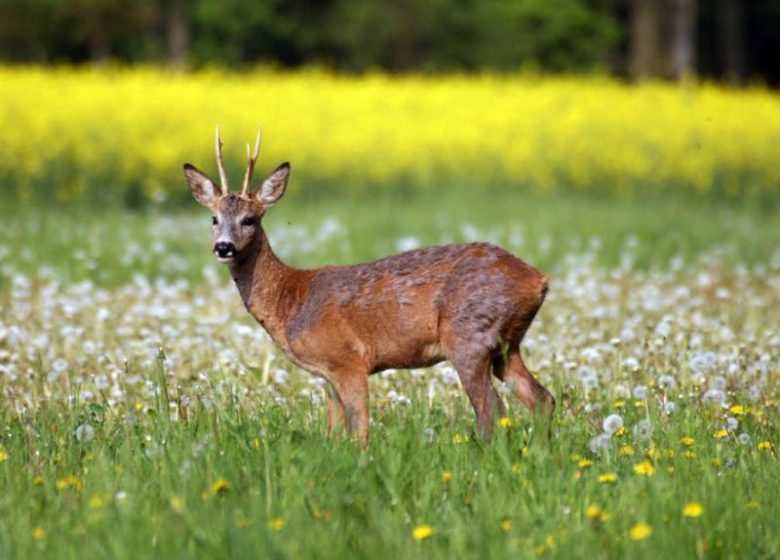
<point x="727" y="40"/>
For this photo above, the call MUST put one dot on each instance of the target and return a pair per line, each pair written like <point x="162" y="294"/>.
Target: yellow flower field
<point x="124" y="133"/>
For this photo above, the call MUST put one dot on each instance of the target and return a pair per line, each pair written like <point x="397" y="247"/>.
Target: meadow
<point x="145" y="415"/>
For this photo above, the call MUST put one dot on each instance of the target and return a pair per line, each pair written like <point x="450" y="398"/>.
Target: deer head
<point x="236" y="216"/>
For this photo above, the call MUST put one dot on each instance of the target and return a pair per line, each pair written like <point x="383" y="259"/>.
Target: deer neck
<point x="260" y="277"/>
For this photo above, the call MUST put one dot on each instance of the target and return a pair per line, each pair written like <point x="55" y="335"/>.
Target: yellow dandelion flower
<point x="3" y="455"/>
<point x="68" y="482"/>
<point x="593" y="512"/>
<point x="639" y="404"/>
<point x="626" y="451"/>
<point x="422" y="532"/>
<point x="506" y="525"/>
<point x="139" y="406"/>
<point x="517" y="467"/>
<point x="219" y="486"/>
<point x="619" y="404"/>
<point x="653" y="453"/>
<point x="621" y="431"/>
<point x="640" y="531"/>
<point x="689" y="454"/>
<point x="584" y="463"/>
<point x="99" y="500"/>
<point x="176" y="503"/>
<point x="669" y="453"/>
<point x="645" y="468"/>
<point x="39" y="533"/>
<point x="446" y="476"/>
<point x="457" y="439"/>
<point x="276" y="524"/>
<point x="670" y="470"/>
<point x="608" y="477"/>
<point x="505" y="422"/>
<point x="693" y="509"/>
<point x="715" y="462"/>
<point x="687" y="441"/>
<point x="765" y="445"/>
<point x="720" y="434"/>
<point x="738" y="410"/>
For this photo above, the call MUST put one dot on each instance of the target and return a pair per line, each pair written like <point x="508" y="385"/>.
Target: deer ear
<point x="274" y="186"/>
<point x="203" y="189"/>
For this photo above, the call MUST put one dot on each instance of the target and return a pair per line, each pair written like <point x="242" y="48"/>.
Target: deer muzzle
<point x="224" y="250"/>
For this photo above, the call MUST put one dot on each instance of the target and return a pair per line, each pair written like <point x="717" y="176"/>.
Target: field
<point x="145" y="415"/>
<point x="119" y="135"/>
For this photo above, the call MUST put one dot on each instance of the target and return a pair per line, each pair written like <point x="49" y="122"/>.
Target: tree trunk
<point x="178" y="31"/>
<point x="645" y="37"/>
<point x="731" y="27"/>
<point x="684" y="39"/>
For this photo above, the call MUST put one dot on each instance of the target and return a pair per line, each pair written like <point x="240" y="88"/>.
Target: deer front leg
<point x="352" y="392"/>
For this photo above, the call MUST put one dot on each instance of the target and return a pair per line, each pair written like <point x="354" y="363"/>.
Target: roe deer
<point x="468" y="303"/>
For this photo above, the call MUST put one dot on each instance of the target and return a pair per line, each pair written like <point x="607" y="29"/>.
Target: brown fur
<point x="468" y="303"/>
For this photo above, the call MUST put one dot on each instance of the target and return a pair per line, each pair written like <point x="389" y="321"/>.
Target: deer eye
<point x="249" y="221"/>
<point x="214" y="220"/>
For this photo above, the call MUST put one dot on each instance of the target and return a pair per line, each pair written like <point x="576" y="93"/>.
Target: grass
<point x="265" y="483"/>
<point x="144" y="414"/>
<point x="109" y="245"/>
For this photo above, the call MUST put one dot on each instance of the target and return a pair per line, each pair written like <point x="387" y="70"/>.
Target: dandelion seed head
<point x="667" y="382"/>
<point x="600" y="443"/>
<point x="642" y="430"/>
<point x="84" y="432"/>
<point x="612" y="423"/>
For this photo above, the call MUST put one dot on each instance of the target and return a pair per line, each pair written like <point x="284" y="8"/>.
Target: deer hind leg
<point x="336" y="414"/>
<point x="352" y="397"/>
<point x="497" y="403"/>
<point x="522" y="382"/>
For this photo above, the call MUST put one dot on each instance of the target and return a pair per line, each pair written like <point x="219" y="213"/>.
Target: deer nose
<point x="224" y="249"/>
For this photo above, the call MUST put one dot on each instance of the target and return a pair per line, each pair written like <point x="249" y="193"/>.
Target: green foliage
<point x="563" y="35"/>
<point x="438" y="35"/>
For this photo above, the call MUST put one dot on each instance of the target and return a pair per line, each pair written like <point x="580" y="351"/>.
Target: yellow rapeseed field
<point x="122" y="133"/>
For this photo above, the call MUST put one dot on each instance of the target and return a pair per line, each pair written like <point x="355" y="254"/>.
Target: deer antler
<point x="250" y="166"/>
<point x="221" y="165"/>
